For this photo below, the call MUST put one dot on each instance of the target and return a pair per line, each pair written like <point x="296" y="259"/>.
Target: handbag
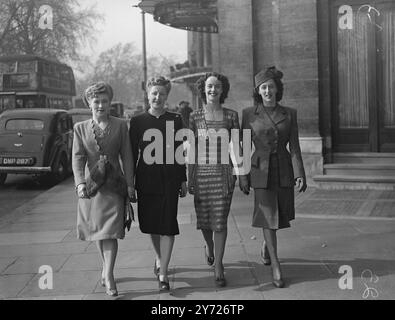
<point x="97" y="176"/>
<point x="129" y="213"/>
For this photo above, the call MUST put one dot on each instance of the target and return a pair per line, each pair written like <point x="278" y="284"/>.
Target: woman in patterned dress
<point x="209" y="179"/>
<point x="101" y="216"/>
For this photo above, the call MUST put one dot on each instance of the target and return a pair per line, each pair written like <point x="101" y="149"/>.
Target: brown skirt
<point x="274" y="206"/>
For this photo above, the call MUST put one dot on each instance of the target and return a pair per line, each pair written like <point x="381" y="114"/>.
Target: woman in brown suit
<point x="101" y="212"/>
<point x="274" y="170"/>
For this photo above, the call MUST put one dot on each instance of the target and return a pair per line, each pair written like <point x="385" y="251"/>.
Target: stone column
<point x="235" y="48"/>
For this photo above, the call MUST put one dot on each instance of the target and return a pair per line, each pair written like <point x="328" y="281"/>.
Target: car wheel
<point x="59" y="171"/>
<point x="3" y="177"/>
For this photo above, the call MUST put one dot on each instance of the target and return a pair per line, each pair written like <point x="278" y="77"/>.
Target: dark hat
<point x="266" y="74"/>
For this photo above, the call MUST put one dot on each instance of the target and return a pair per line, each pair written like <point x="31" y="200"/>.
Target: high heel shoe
<point x="209" y="260"/>
<point x="219" y="281"/>
<point x="111" y="292"/>
<point x="164" y="284"/>
<point x="278" y="283"/>
<point x="265" y="260"/>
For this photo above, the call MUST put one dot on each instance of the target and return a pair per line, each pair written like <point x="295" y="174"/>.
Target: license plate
<point x="9" y="161"/>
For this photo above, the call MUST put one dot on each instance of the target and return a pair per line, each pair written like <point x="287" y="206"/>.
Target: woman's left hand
<point x="300" y="183"/>
<point x="132" y="194"/>
<point x="183" y="189"/>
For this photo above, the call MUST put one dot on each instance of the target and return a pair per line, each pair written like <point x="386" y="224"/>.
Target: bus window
<point x="46" y="68"/>
<point x="26" y="66"/>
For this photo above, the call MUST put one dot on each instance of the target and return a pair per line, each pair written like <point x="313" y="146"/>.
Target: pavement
<point x="340" y="247"/>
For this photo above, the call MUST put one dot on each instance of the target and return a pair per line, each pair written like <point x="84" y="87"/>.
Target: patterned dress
<point x="213" y="180"/>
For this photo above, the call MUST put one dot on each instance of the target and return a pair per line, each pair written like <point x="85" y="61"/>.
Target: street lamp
<point x="144" y="83"/>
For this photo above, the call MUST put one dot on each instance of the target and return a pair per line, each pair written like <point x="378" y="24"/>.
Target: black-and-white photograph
<point x="197" y="150"/>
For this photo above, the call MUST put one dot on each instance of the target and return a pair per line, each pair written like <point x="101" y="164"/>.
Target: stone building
<point x="338" y="59"/>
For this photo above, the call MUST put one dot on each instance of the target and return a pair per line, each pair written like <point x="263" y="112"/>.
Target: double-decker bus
<point x="30" y="81"/>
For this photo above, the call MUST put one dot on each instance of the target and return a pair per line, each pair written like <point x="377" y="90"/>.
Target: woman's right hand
<point x="244" y="185"/>
<point x="82" y="192"/>
<point x="132" y="194"/>
<point x="191" y="189"/>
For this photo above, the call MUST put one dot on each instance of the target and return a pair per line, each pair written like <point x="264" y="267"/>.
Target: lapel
<point x="280" y="114"/>
<point x="261" y="114"/>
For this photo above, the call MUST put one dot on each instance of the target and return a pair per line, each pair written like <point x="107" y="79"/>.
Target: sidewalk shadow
<point x="206" y="284"/>
<point x="192" y="285"/>
<point x="296" y="270"/>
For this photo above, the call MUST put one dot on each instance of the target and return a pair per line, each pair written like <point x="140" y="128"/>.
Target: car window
<point x="24" y="124"/>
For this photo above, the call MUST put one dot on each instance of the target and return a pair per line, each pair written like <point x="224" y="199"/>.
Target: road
<point x="17" y="190"/>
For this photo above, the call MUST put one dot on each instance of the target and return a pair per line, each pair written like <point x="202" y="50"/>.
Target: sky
<point x="123" y="23"/>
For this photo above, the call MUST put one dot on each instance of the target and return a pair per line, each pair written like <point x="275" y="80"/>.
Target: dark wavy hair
<point x="279" y="95"/>
<point x="201" y="84"/>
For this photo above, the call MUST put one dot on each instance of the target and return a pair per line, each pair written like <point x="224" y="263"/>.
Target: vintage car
<point x="80" y="114"/>
<point x="36" y="141"/>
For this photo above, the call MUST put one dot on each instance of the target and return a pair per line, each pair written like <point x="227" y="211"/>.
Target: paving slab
<point x="81" y="262"/>
<point x="31" y="237"/>
<point x="11" y="285"/>
<point x="31" y="265"/>
<point x="31" y="250"/>
<point x="6" y="262"/>
<point x="38" y="227"/>
<point x="64" y="283"/>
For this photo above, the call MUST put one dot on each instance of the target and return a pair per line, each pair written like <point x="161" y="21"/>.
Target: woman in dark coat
<point x="160" y="178"/>
<point x="101" y="215"/>
<point x="274" y="170"/>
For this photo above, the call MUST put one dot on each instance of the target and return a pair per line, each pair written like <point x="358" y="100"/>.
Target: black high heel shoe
<point x="163" y="285"/>
<point x="209" y="260"/>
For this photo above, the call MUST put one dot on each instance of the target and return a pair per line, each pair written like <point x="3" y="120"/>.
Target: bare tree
<point x="121" y="66"/>
<point x="21" y="30"/>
